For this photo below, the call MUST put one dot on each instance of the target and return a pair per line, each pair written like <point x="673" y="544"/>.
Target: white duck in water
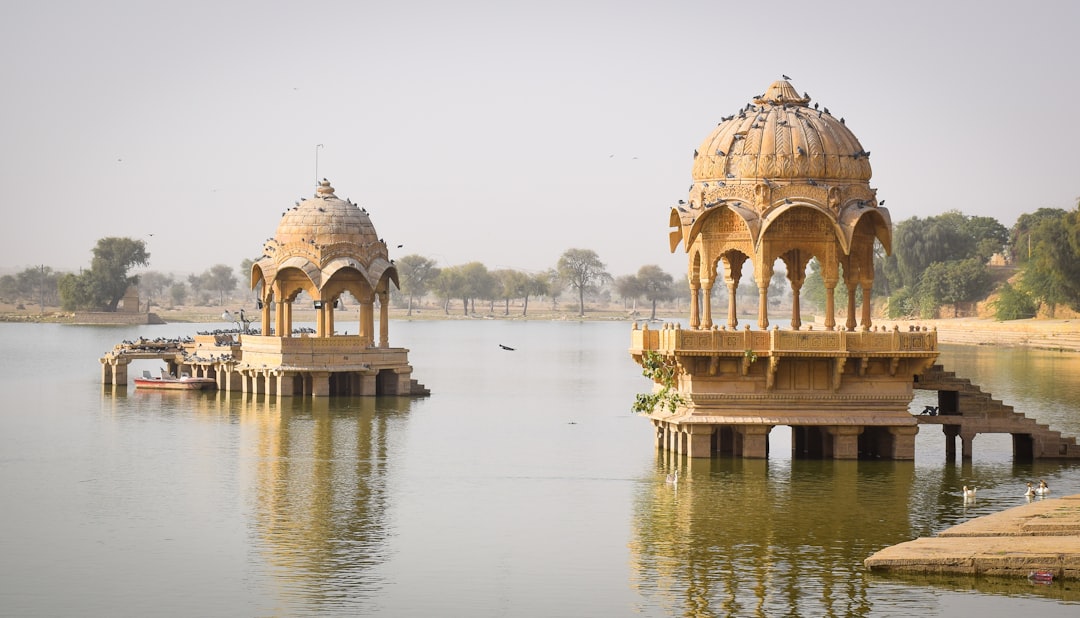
<point x="969" y="494"/>
<point x="1042" y="489"/>
<point x="672" y="478"/>
<point x="1030" y="491"/>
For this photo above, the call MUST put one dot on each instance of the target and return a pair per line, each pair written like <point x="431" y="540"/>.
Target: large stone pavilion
<point x="781" y="180"/>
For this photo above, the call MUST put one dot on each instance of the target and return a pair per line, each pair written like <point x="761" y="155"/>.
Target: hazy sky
<point x="502" y="132"/>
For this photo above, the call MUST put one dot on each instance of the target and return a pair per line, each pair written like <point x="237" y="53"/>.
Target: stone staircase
<point x="976" y="412"/>
<point x="416" y="389"/>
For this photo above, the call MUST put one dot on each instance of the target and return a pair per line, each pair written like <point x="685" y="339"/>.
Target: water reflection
<point x="756" y="537"/>
<point x="320" y="493"/>
<point x="314" y="478"/>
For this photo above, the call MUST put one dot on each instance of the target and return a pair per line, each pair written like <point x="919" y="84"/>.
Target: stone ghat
<point x="1061" y="335"/>
<point x="1041" y="536"/>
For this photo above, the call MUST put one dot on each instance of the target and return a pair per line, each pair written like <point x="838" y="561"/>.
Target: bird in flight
<point x="506" y="347"/>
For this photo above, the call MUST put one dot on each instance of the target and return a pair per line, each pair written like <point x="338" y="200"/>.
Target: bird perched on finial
<point x="785" y="77"/>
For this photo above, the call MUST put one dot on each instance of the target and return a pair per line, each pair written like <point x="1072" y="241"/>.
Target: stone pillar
<point x="732" y="308"/>
<point x="755" y="441"/>
<point x="264" y="317"/>
<point x="279" y="320"/>
<point x="384" y="319"/>
<point x="966" y="438"/>
<point x="658" y="436"/>
<point x="845" y="441"/>
<point x="330" y="320"/>
<point x="699" y="440"/>
<point x="850" y="323"/>
<point x="796" y="313"/>
<point x="706" y="308"/>
<point x="320" y="383"/>
<point x="867" y="288"/>
<point x="903" y="441"/>
<point x="673" y="438"/>
<point x="367" y="319"/>
<point x="951" y="431"/>
<point x="830" y="305"/>
<point x="695" y="300"/>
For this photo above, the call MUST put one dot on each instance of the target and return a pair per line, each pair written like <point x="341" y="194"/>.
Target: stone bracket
<point x="770" y="374"/>
<point x="838" y="371"/>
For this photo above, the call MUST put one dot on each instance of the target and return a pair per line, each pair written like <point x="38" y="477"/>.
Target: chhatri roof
<point x="325" y="219"/>
<point x="322" y="235"/>
<point x="779" y="154"/>
<point x="779" y="135"/>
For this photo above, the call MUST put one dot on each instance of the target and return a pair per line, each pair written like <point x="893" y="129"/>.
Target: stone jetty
<point x="1041" y="536"/>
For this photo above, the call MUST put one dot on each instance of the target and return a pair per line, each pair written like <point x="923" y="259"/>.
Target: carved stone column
<point x="695" y="300"/>
<point x="384" y="319"/>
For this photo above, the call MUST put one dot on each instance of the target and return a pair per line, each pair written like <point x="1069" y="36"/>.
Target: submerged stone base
<point x="1041" y="536"/>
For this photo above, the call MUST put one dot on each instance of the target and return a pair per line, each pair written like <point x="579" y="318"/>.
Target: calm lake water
<point x="523" y="486"/>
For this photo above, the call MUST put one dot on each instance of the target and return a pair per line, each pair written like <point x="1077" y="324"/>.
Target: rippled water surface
<point x="523" y="486"/>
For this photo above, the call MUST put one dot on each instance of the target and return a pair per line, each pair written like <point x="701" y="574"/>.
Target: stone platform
<point x="1041" y="536"/>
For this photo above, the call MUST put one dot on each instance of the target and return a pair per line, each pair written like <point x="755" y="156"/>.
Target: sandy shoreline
<point x="1049" y="334"/>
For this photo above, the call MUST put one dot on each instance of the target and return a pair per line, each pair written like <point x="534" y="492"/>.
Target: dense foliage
<point x="662" y="372"/>
<point x="103" y="286"/>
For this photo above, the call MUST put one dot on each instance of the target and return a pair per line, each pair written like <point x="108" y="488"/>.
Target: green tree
<point x="1021" y="242"/>
<point x="178" y="293"/>
<point x="583" y="271"/>
<point x="103" y="286"/>
<point x="218" y="278"/>
<point x="629" y="288"/>
<point x="1013" y="303"/>
<point x="538" y="284"/>
<point x="512" y="284"/>
<point x="1052" y="273"/>
<point x="450" y="284"/>
<point x="952" y="282"/>
<point x="477" y="282"/>
<point x="152" y="284"/>
<point x="417" y="273"/>
<point x="656" y="285"/>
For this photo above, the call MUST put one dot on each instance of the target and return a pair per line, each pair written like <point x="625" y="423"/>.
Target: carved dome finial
<point x="781" y="92"/>
<point x="324" y="189"/>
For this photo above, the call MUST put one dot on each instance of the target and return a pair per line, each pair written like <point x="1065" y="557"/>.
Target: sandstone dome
<point x="780" y="136"/>
<point x="325" y="219"/>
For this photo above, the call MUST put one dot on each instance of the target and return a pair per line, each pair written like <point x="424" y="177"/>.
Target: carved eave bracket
<point x="770" y="374"/>
<point x="838" y="371"/>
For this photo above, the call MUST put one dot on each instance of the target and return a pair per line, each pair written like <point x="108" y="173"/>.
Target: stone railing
<point x="672" y="338"/>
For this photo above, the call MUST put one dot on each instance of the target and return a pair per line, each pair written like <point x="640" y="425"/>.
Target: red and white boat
<point x="169" y="382"/>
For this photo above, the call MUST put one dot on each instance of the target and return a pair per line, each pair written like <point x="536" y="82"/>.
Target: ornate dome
<point x="321" y="236"/>
<point x="325" y="219"/>
<point x="780" y="136"/>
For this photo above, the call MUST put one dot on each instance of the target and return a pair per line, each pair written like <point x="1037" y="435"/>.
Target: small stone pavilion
<point x="781" y="179"/>
<point x="323" y="248"/>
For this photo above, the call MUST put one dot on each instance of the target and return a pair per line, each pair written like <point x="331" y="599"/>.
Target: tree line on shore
<point x="937" y="261"/>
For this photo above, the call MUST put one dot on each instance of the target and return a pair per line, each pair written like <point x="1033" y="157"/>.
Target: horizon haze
<point x="504" y="133"/>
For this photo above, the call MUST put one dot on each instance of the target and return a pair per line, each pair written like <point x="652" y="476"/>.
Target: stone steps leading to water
<point x="978" y="412"/>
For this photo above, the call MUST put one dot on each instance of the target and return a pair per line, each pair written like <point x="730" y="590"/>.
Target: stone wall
<point x="106" y="317"/>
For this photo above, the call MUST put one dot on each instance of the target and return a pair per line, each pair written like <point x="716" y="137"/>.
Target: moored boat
<point x="170" y="382"/>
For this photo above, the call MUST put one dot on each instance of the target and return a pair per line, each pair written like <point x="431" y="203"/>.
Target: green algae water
<point x="523" y="486"/>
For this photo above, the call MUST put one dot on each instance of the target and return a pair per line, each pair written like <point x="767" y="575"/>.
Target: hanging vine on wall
<point x="661" y="371"/>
